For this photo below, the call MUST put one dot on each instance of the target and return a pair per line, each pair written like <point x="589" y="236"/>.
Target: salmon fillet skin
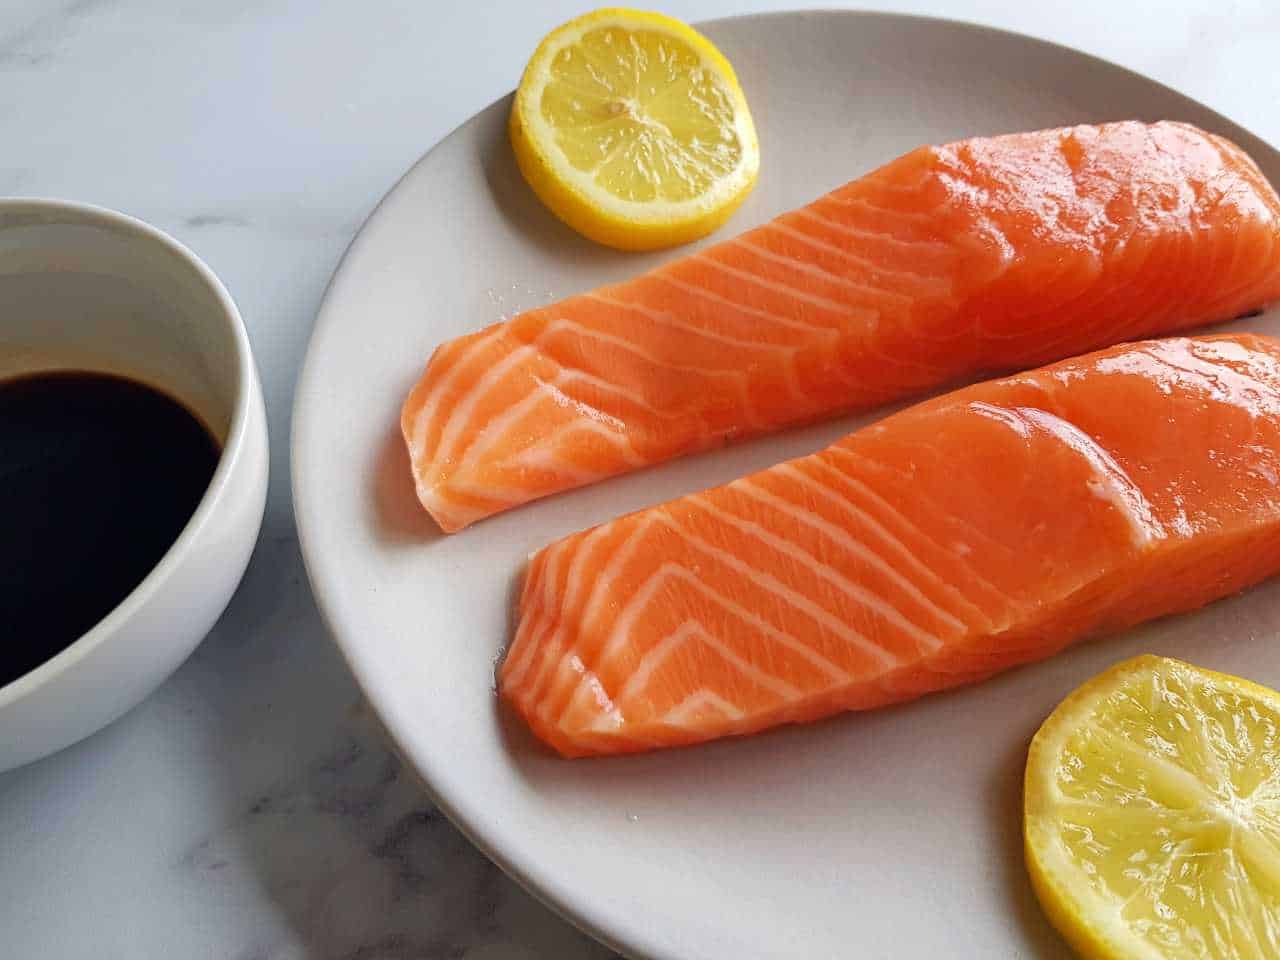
<point x="985" y="528"/>
<point x="983" y="256"/>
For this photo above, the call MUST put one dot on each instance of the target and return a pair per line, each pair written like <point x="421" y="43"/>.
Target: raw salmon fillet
<point x="988" y="527"/>
<point x="985" y="255"/>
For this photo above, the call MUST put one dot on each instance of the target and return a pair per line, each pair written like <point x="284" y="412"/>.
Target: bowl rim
<point x="74" y="213"/>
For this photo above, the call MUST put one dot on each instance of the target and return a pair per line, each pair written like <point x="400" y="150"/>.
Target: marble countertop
<point x="250" y="808"/>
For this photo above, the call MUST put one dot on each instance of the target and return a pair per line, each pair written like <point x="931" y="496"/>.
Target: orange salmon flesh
<point x="992" y="254"/>
<point x="983" y="529"/>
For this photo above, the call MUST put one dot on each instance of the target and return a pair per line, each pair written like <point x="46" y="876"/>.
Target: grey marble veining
<point x="251" y="808"/>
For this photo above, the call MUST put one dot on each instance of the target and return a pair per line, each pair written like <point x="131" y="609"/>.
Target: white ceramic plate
<point x="893" y="833"/>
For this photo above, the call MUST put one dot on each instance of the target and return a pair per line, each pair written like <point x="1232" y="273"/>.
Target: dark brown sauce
<point x="98" y="476"/>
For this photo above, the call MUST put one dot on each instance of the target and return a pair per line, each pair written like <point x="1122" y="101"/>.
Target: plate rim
<point x="631" y="942"/>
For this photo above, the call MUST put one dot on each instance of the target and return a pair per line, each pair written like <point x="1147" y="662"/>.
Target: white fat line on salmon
<point x="886" y="536"/>
<point x="736" y="377"/>
<point x="872" y="236"/>
<point x="865" y="315"/>
<point x="555" y="639"/>
<point x="494" y="431"/>
<point x="689" y="708"/>
<point x="510" y="496"/>
<point x="897" y="476"/>
<point x="570" y="376"/>
<point x="831" y="335"/>
<point x="809" y="329"/>
<point x="600" y="585"/>
<point x="669" y="319"/>
<point x="460" y="415"/>
<point x="827" y="276"/>
<point x="543" y="456"/>
<point x="594" y="420"/>
<point x="562" y="324"/>
<point x="928" y="220"/>
<point x="932" y="287"/>
<point x="789" y="352"/>
<point x="527" y="641"/>
<point x="602" y="582"/>
<point x="423" y="418"/>
<point x="567" y="669"/>
<point x="688" y="631"/>
<point x="789" y="595"/>
<point x="857" y="593"/>
<point x="670" y="570"/>
<point x="843" y="538"/>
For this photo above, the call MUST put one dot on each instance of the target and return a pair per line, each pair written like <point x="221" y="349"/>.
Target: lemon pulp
<point x="1152" y="819"/>
<point x="632" y="128"/>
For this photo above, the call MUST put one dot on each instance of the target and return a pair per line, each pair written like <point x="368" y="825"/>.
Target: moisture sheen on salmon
<point x="991" y="254"/>
<point x="986" y="528"/>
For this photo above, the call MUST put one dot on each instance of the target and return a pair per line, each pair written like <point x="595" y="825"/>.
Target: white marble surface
<point x="250" y="808"/>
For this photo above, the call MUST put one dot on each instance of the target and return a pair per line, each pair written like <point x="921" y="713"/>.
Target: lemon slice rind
<point x="576" y="197"/>
<point x="1202" y="806"/>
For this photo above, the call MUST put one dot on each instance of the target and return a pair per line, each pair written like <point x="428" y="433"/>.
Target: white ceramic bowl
<point x="85" y="288"/>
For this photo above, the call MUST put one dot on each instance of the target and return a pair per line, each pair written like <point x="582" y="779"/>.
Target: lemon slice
<point x="632" y="128"/>
<point x="1152" y="818"/>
